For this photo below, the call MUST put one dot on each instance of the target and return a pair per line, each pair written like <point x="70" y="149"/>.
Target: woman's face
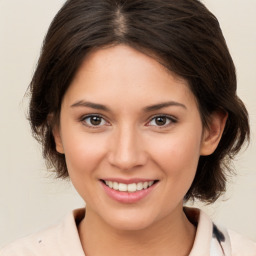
<point x="127" y="122"/>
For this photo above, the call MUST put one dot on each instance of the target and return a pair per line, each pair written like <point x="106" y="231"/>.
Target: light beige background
<point x="29" y="198"/>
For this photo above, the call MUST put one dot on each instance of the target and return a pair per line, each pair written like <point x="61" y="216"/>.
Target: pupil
<point x="95" y="120"/>
<point x="161" y="121"/>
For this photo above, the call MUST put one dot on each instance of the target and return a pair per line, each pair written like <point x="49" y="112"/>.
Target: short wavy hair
<point x="184" y="35"/>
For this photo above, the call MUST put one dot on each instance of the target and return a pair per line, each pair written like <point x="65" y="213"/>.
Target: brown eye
<point x="161" y="120"/>
<point x="94" y="121"/>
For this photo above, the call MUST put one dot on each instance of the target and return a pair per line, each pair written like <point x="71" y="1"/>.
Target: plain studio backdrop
<point x="30" y="198"/>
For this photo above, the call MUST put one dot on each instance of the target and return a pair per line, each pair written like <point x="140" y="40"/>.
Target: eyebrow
<point x="88" y="104"/>
<point x="150" y="108"/>
<point x="163" y="105"/>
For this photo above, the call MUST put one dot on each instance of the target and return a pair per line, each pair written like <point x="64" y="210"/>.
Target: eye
<point x="94" y="121"/>
<point x="162" y="120"/>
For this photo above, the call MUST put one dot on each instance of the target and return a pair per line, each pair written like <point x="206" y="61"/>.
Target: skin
<point x="128" y="143"/>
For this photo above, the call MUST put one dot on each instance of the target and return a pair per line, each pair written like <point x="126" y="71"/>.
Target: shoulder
<point x="215" y="240"/>
<point x="58" y="240"/>
<point x="33" y="244"/>
<point x="240" y="245"/>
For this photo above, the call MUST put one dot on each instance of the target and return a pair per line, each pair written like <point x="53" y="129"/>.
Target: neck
<point x="173" y="235"/>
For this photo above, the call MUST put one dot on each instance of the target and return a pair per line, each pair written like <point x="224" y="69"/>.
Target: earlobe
<point x="55" y="129"/>
<point x="57" y="139"/>
<point x="213" y="133"/>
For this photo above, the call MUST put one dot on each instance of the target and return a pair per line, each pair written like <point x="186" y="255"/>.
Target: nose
<point x="127" y="149"/>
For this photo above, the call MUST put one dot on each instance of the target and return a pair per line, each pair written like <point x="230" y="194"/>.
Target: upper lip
<point x="128" y="181"/>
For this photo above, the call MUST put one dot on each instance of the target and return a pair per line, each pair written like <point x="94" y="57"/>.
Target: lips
<point x="128" y="191"/>
<point x="132" y="187"/>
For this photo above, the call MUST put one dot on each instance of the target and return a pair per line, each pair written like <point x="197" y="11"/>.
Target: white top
<point x="63" y="239"/>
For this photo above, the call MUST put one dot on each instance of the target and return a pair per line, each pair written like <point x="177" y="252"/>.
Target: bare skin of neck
<point x="170" y="236"/>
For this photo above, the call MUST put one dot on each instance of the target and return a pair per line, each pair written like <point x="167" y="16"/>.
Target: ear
<point x="57" y="139"/>
<point x="213" y="133"/>
<point x="56" y="133"/>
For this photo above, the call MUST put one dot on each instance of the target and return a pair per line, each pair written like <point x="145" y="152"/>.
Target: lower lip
<point x="127" y="197"/>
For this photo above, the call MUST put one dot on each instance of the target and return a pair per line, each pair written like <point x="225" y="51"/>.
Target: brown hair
<point x="182" y="34"/>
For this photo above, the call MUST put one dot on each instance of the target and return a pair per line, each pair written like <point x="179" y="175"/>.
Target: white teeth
<point x="122" y="187"/>
<point x="150" y="183"/>
<point x="145" y="185"/>
<point x="115" y="186"/>
<point x="133" y="187"/>
<point x="139" y="186"/>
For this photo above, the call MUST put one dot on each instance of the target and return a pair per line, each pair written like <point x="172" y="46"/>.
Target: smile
<point x="133" y="187"/>
<point x="128" y="192"/>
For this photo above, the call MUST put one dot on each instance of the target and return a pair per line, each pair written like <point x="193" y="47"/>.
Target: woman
<point x="135" y="102"/>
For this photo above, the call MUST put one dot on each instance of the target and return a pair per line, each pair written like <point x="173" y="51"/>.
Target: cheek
<point x="178" y="160"/>
<point x="178" y="151"/>
<point x="83" y="153"/>
<point x="177" y="156"/>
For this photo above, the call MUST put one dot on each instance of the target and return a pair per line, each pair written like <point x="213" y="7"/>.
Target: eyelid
<point x="170" y="117"/>
<point x="84" y="117"/>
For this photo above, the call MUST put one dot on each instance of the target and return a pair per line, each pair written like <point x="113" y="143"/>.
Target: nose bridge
<point x="127" y="149"/>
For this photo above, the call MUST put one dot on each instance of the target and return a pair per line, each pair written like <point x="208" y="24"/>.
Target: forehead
<point x="121" y="72"/>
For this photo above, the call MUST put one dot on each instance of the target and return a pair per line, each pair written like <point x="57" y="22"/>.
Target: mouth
<point x="131" y="187"/>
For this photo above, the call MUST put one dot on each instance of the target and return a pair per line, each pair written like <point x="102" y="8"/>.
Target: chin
<point x="130" y="220"/>
<point x="131" y="225"/>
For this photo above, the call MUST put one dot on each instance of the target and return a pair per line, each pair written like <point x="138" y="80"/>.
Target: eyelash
<point x="83" y="120"/>
<point x="170" y="119"/>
